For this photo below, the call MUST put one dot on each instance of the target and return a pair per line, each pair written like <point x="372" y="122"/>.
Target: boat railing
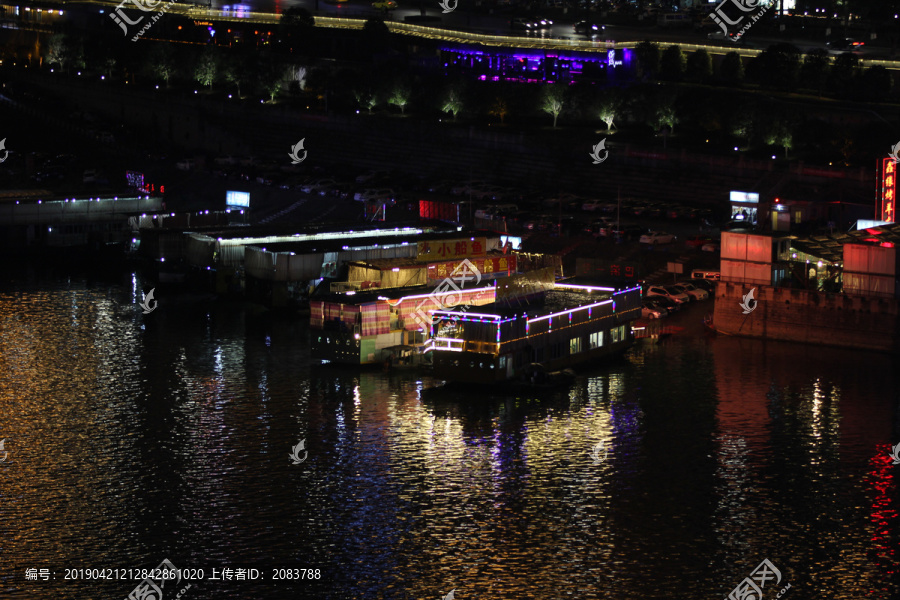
<point x="451" y="344"/>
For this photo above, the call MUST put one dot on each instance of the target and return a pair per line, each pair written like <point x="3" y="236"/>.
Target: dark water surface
<point x="135" y="438"/>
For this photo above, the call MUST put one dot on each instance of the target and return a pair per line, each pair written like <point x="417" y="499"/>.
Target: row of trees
<point x="700" y="113"/>
<point x="781" y="66"/>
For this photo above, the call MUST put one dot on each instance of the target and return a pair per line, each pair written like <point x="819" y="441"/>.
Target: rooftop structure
<point x="572" y="323"/>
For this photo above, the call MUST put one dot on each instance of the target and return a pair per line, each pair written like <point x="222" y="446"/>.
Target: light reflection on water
<point x="134" y="438"/>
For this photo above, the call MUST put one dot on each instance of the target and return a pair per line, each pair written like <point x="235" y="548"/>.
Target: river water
<point x="132" y="438"/>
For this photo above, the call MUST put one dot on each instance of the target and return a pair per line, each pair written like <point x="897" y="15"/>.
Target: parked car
<point x="592" y="205"/>
<point x="703" y="284"/>
<point x="663" y="302"/>
<point x="379" y="194"/>
<point x="695" y="293"/>
<point x="628" y="232"/>
<point x="651" y="310"/>
<point x="565" y="199"/>
<point x="339" y="189"/>
<point x="541" y="223"/>
<point x="638" y="209"/>
<point x="372" y="176"/>
<point x="315" y="185"/>
<point x="588" y="27"/>
<point x="657" y="237"/>
<point x="712" y="246"/>
<point x="266" y="178"/>
<point x="486" y="192"/>
<point x="464" y="187"/>
<point x="696" y="241"/>
<point x="440" y="187"/>
<point x="710" y="275"/>
<point x="654" y="212"/>
<point x="668" y="291"/>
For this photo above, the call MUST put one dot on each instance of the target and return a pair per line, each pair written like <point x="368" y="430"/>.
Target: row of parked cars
<point x="661" y="300"/>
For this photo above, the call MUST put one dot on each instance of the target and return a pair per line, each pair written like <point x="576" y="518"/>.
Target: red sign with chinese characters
<point x="888" y="189"/>
<point x="491" y="267"/>
<point x="452" y="249"/>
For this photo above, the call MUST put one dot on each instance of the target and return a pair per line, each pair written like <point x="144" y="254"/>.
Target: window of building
<point x="539" y="355"/>
<point x="617" y="334"/>
<point x="575" y="345"/>
<point x="596" y="340"/>
<point x="797" y="215"/>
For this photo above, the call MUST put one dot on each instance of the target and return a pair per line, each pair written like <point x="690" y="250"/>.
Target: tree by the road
<point x="377" y="36"/>
<point x="499" y="108"/>
<point x="843" y="73"/>
<point x="671" y="65"/>
<point x="296" y="28"/>
<point x="875" y="83"/>
<point x="663" y="112"/>
<point x="647" y="53"/>
<point x="699" y="66"/>
<point x="207" y="67"/>
<point x="239" y="70"/>
<point x="272" y="80"/>
<point x="452" y="101"/>
<point x="553" y="99"/>
<point x="400" y="95"/>
<point x="162" y="61"/>
<point x="609" y="106"/>
<point x="731" y="71"/>
<point x="814" y="70"/>
<point x="778" y="66"/>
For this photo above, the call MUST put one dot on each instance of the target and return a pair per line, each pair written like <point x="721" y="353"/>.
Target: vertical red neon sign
<point x="888" y="189"/>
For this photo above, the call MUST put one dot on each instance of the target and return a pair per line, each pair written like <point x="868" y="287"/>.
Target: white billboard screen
<point x="744" y="197"/>
<point x="237" y="199"/>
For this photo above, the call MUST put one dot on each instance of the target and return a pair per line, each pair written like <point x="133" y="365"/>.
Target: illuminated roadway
<point x="468" y="28"/>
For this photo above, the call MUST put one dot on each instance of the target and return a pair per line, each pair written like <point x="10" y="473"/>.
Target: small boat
<point x="536" y="376"/>
<point x="534" y="379"/>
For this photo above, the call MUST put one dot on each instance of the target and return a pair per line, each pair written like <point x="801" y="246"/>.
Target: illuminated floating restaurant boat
<point x="572" y="324"/>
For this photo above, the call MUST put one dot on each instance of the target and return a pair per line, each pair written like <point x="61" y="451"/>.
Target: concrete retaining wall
<point x="810" y="317"/>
